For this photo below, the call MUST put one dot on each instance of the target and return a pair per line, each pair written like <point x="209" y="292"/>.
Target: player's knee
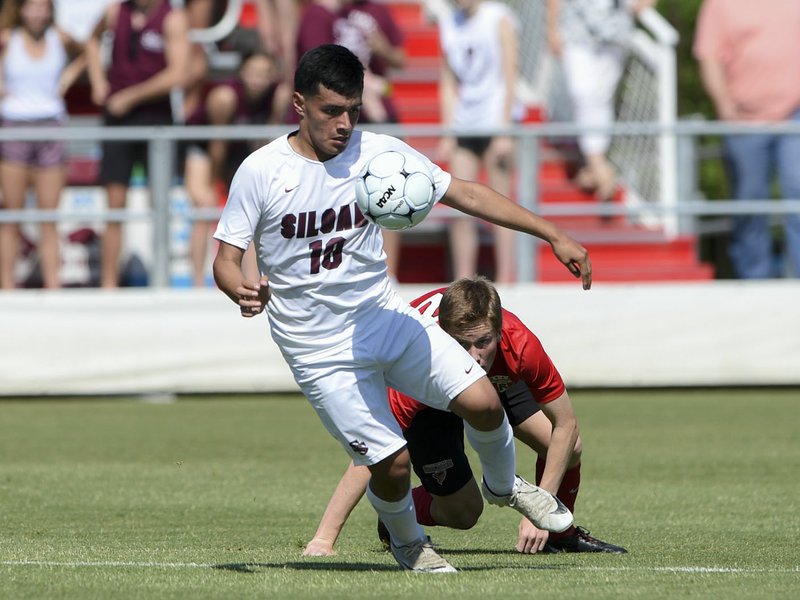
<point x="466" y="515"/>
<point x="487" y="419"/>
<point x="391" y="477"/>
<point x="479" y="405"/>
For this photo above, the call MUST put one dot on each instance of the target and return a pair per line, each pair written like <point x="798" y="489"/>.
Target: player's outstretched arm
<point x="348" y="492"/>
<point x="481" y="201"/>
<point x="251" y="295"/>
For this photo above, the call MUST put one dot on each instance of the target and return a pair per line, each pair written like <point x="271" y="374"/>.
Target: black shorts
<point x="435" y="440"/>
<point x="476" y="145"/>
<point x="518" y="403"/>
<point x="436" y="444"/>
<point x="118" y="158"/>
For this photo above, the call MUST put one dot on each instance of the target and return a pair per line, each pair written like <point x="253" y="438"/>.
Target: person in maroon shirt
<point x="150" y="56"/>
<point x="538" y="408"/>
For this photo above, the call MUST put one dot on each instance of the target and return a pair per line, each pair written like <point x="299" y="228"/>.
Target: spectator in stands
<point x="257" y="95"/>
<point x="479" y="43"/>
<point x="315" y="26"/>
<point x="274" y="31"/>
<point x="200" y="15"/>
<point x="277" y="27"/>
<point x="590" y="38"/>
<point x="367" y="29"/>
<point x="749" y="56"/>
<point x="35" y="72"/>
<point x="150" y="56"/>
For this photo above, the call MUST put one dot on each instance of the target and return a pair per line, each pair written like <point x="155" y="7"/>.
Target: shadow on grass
<point x="254" y="567"/>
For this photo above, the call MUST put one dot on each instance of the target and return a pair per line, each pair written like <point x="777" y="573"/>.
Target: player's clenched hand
<point x="575" y="257"/>
<point x="531" y="539"/>
<point x="319" y="547"/>
<point x="253" y="297"/>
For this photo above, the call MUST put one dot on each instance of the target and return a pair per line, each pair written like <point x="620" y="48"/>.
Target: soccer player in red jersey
<point x="538" y="408"/>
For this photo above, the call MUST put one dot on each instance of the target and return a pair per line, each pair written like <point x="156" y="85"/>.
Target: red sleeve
<point x="404" y="408"/>
<point x="526" y="360"/>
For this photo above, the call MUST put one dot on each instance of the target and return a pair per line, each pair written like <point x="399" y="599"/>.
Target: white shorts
<point x="399" y="348"/>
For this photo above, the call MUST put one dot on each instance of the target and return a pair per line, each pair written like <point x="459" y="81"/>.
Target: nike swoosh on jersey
<point x="468" y="369"/>
<point x="291" y="189"/>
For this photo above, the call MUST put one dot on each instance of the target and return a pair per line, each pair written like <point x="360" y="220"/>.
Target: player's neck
<point x="301" y="144"/>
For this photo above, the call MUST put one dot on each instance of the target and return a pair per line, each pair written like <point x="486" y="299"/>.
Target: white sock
<point x="399" y="518"/>
<point x="497" y="455"/>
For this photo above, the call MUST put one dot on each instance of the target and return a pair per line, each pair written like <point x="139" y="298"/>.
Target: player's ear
<point x="299" y="104"/>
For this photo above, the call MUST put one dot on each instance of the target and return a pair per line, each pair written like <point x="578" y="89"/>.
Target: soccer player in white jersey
<point x="342" y="329"/>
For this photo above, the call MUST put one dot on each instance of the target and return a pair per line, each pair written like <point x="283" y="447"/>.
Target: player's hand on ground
<point x="531" y="539"/>
<point x="319" y="547"/>
<point x="575" y="257"/>
<point x="253" y="297"/>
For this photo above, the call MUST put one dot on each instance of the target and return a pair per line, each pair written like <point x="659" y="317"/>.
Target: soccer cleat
<point x="383" y="535"/>
<point x="580" y="541"/>
<point x="420" y="557"/>
<point x="539" y="506"/>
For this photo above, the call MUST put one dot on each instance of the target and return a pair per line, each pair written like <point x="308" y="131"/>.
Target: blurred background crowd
<point x="461" y="64"/>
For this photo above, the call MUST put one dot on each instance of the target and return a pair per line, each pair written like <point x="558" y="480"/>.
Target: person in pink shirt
<point x="749" y="56"/>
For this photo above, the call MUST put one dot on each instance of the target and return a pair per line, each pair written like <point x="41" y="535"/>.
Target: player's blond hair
<point x="468" y="303"/>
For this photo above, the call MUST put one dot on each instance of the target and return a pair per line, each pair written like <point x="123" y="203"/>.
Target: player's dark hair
<point x="331" y="66"/>
<point x="468" y="303"/>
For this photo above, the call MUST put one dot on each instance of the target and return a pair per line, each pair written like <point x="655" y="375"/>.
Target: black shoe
<point x="383" y="536"/>
<point x="580" y="541"/>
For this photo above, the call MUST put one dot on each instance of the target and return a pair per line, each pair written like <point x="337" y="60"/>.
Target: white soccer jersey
<point x="473" y="49"/>
<point x="325" y="262"/>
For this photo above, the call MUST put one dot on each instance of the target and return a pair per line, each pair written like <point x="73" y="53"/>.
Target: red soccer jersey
<point x="520" y="357"/>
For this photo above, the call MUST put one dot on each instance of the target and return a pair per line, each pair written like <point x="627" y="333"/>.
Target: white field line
<point x="193" y="565"/>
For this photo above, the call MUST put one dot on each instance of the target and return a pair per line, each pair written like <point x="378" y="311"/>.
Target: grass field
<point x="214" y="498"/>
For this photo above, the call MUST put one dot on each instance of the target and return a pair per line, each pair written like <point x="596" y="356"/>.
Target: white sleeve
<point x="240" y="217"/>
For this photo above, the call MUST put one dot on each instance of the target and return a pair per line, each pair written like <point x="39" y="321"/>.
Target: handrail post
<point x="160" y="168"/>
<point x="528" y="196"/>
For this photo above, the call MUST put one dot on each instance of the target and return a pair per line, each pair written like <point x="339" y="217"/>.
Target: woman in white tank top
<point x="479" y="41"/>
<point x="34" y="74"/>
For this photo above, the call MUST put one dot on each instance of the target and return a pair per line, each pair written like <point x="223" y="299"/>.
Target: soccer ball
<point x="395" y="190"/>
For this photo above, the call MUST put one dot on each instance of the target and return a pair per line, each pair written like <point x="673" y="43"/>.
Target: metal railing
<point x="161" y="141"/>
